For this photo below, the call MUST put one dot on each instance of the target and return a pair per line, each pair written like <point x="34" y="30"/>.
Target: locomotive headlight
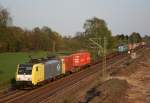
<point x="18" y="78"/>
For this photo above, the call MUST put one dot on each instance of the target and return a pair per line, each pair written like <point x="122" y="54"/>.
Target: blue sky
<point x="68" y="16"/>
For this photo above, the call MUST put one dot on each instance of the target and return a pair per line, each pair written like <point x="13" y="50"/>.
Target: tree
<point x="121" y="39"/>
<point x="93" y="28"/>
<point x="135" y="38"/>
<point x="96" y="27"/>
<point x="146" y="39"/>
<point x="5" y="18"/>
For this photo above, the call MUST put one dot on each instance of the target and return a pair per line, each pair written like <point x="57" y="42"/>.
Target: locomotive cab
<point x="24" y="74"/>
<point x="29" y="74"/>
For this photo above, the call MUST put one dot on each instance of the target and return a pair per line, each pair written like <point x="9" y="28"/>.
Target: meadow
<point x="9" y="61"/>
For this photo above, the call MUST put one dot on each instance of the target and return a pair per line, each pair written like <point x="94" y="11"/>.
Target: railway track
<point x="50" y="89"/>
<point x="11" y="95"/>
<point x="97" y="73"/>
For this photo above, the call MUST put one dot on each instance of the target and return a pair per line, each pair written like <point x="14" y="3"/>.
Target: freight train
<point x="37" y="72"/>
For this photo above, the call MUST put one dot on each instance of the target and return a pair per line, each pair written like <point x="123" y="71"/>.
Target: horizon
<point x="68" y="16"/>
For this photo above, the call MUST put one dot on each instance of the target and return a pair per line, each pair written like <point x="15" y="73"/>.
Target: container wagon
<point x="81" y="59"/>
<point x="75" y="62"/>
<point x="67" y="64"/>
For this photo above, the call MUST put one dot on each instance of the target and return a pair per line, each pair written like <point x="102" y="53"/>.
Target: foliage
<point x="125" y="39"/>
<point x="14" y="39"/>
<point x="146" y="39"/>
<point x="94" y="28"/>
<point x="122" y="39"/>
<point x="135" y="38"/>
<point x="9" y="61"/>
<point x="5" y="18"/>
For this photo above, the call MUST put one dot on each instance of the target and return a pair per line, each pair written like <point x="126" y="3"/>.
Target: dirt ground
<point x="111" y="91"/>
<point x="137" y="74"/>
<point x="139" y="90"/>
<point x="128" y="83"/>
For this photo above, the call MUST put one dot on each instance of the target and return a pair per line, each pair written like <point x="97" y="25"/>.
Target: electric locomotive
<point x="32" y="74"/>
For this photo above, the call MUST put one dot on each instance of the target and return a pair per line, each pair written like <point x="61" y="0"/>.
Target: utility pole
<point x="104" y="57"/>
<point x="101" y="49"/>
<point x="54" y="46"/>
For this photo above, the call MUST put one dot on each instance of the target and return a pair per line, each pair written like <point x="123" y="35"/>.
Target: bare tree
<point x="5" y="18"/>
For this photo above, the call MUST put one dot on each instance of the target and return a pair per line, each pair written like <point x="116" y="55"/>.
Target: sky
<point x="68" y="16"/>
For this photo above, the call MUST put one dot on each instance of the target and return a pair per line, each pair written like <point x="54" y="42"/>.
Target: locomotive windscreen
<point x="25" y="69"/>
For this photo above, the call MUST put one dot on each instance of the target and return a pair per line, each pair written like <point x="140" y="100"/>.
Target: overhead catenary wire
<point x="101" y="44"/>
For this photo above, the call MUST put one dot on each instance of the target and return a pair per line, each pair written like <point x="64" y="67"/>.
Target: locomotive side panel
<point x="37" y="73"/>
<point x="52" y="69"/>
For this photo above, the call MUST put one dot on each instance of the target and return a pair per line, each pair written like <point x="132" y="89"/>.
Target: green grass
<point x="9" y="61"/>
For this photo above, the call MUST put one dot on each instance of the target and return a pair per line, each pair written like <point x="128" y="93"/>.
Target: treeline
<point x="16" y="39"/>
<point x="132" y="38"/>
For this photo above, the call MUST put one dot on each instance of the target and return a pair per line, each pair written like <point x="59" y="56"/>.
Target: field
<point x="9" y="61"/>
